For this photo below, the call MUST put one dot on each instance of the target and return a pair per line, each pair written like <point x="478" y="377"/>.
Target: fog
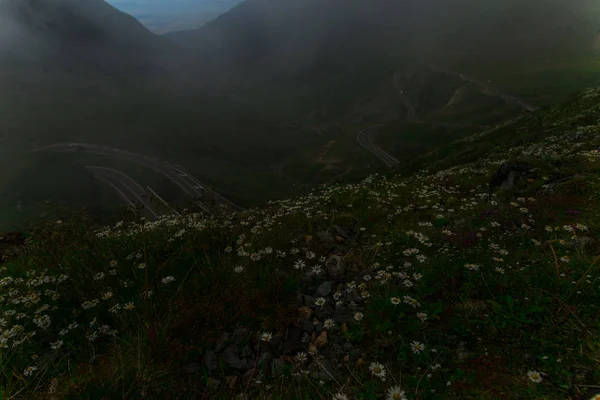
<point x="267" y="100"/>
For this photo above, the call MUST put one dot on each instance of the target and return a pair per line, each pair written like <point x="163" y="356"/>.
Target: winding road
<point x="202" y="196"/>
<point x="365" y="137"/>
<point x="487" y="89"/>
<point x="134" y="195"/>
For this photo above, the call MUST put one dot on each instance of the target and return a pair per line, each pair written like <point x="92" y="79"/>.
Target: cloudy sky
<point x="163" y="16"/>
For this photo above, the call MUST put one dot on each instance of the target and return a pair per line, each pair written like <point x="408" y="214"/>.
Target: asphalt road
<point x="365" y="137"/>
<point x="488" y="89"/>
<point x="132" y="193"/>
<point x="202" y="196"/>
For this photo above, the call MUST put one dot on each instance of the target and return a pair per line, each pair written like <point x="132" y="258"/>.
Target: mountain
<point x="175" y="15"/>
<point x="89" y="38"/>
<point x="472" y="279"/>
<point x="299" y="51"/>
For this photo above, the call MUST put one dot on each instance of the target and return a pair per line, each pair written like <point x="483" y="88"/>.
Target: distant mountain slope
<point x="79" y="37"/>
<point x="294" y="50"/>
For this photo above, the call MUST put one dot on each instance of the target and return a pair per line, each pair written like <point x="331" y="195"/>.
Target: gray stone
<point x="213" y="384"/>
<point x="308" y="301"/>
<point x="294" y="333"/>
<point x="247" y="352"/>
<point x="221" y="342"/>
<point x="232" y="359"/>
<point x="292" y="347"/>
<point x="240" y="335"/>
<point x="324" y="289"/>
<point x="326" y="238"/>
<point x="192" y="368"/>
<point x="210" y="360"/>
<point x="584" y="243"/>
<point x="336" y="268"/>
<point x="307" y="325"/>
<point x="339" y="231"/>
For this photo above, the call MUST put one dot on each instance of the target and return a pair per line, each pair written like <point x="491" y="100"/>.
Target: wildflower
<point x="395" y="393"/>
<point x="113" y="263"/>
<point x="56" y="345"/>
<point x="106" y="295"/>
<point x="299" y="265"/>
<point x="266" y="336"/>
<point x="329" y="323"/>
<point x="395" y="301"/>
<point x="29" y="370"/>
<point x="238" y="269"/>
<point x="141" y="266"/>
<point x="472" y="267"/>
<point x="339" y="396"/>
<point x="422" y="316"/>
<point x="417" y="347"/>
<point x="565" y="259"/>
<point x="168" y="279"/>
<point x="358" y="316"/>
<point x="500" y="270"/>
<point x="301" y="357"/>
<point x="534" y="376"/>
<point x="320" y="301"/>
<point x="93" y="336"/>
<point x="228" y="249"/>
<point x="129" y="306"/>
<point x="378" y="370"/>
<point x="99" y="276"/>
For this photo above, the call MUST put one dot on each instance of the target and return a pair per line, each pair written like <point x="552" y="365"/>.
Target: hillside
<point x="305" y="49"/>
<point x="413" y="286"/>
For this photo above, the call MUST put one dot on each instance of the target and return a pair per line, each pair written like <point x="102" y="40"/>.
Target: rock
<point x="213" y="384"/>
<point x="292" y="347"/>
<point x="232" y="359"/>
<point x="305" y="312"/>
<point x="210" y="360"/>
<point x="353" y="296"/>
<point x="247" y="352"/>
<point x="326" y="239"/>
<point x="221" y="342"/>
<point x="324" y="289"/>
<point x="336" y="268"/>
<point x="307" y="326"/>
<point x="318" y="327"/>
<point x="192" y="368"/>
<point x="585" y="243"/>
<point x="308" y="301"/>
<point x="340" y="232"/>
<point x="507" y="175"/>
<point x="240" y="335"/>
<point x="320" y="340"/>
<point x="277" y="367"/>
<point x="294" y="333"/>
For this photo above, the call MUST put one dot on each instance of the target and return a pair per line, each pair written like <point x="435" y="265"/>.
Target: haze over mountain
<point x="175" y="15"/>
<point x="268" y="99"/>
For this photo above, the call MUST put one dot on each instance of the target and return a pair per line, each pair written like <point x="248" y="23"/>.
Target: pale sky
<point x="162" y="16"/>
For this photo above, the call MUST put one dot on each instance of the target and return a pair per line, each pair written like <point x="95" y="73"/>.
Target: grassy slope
<point x="501" y="287"/>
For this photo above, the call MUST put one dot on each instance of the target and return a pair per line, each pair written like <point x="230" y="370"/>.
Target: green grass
<point x="453" y="296"/>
